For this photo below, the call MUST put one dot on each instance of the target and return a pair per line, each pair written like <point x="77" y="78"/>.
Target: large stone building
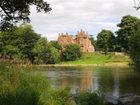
<point x="82" y="39"/>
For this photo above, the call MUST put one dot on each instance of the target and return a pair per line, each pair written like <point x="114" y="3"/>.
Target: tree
<point x="55" y="44"/>
<point x="71" y="52"/>
<point x="23" y="38"/>
<point x="105" y="41"/>
<point x="134" y="43"/>
<point x="126" y="30"/>
<point x="29" y="39"/>
<point x="13" y="11"/>
<point x="45" y="54"/>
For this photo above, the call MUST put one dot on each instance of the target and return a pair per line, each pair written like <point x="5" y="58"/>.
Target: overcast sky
<point x="73" y="15"/>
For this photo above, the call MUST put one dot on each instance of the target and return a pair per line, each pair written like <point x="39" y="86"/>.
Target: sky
<point x="72" y="15"/>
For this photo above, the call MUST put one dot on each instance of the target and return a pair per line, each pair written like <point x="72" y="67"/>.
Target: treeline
<point x="120" y="40"/>
<point x="23" y="45"/>
<point x="125" y="39"/>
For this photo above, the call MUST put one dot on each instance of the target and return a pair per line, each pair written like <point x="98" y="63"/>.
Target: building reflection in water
<point x="91" y="80"/>
<point x="86" y="80"/>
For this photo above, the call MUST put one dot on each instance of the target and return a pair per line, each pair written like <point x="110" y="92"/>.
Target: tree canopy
<point x="71" y="52"/>
<point x="127" y="27"/>
<point x="134" y="44"/>
<point x="13" y="11"/>
<point x="105" y="40"/>
<point x="19" y="41"/>
<point x="45" y="53"/>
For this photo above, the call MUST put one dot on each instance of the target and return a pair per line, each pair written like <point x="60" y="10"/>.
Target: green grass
<point x="18" y="86"/>
<point x="98" y="58"/>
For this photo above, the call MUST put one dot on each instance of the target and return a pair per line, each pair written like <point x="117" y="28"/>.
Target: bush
<point x="88" y="98"/>
<point x="71" y="52"/>
<point x="25" y="88"/>
<point x="19" y="88"/>
<point x="60" y="97"/>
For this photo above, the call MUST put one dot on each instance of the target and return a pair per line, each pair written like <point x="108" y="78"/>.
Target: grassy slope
<point x="98" y="58"/>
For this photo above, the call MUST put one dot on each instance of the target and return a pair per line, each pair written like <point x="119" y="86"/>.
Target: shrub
<point x="71" y="52"/>
<point x="20" y="88"/>
<point x="25" y="88"/>
<point x="88" y="98"/>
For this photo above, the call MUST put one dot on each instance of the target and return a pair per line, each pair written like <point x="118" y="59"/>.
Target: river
<point x="113" y="80"/>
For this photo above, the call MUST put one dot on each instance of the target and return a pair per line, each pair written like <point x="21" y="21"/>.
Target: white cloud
<point x="72" y="15"/>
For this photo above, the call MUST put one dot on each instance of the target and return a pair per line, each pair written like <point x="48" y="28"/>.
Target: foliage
<point x="23" y="87"/>
<point x="19" y="41"/>
<point x="10" y="50"/>
<point x="134" y="43"/>
<point x="55" y="44"/>
<point x="14" y="11"/>
<point x="127" y="27"/>
<point x="71" y="52"/>
<point x="60" y="97"/>
<point x="105" y="40"/>
<point x="45" y="54"/>
<point x="88" y="98"/>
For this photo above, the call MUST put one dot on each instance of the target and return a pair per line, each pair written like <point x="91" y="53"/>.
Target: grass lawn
<point x="98" y="58"/>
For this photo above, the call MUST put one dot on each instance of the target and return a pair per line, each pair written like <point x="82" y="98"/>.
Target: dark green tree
<point x="134" y="44"/>
<point x="105" y="41"/>
<point x="22" y="38"/>
<point x="126" y="30"/>
<point x="71" y="52"/>
<point x="29" y="39"/>
<point x="13" y="11"/>
<point x="45" y="53"/>
<point x="55" y="44"/>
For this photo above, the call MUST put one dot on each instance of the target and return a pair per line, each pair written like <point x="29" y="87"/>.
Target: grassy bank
<point x="99" y="59"/>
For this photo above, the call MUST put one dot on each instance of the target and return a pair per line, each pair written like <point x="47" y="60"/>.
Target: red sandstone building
<point x="82" y="39"/>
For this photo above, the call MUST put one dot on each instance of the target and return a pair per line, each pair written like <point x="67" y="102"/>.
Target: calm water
<point x="115" y="80"/>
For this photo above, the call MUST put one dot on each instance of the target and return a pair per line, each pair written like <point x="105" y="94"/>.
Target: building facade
<point x="82" y="39"/>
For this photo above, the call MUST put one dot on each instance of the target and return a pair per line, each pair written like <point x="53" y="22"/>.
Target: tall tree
<point x="13" y="11"/>
<point x="22" y="38"/>
<point x="126" y="26"/>
<point x="105" y="40"/>
<point x="134" y="44"/>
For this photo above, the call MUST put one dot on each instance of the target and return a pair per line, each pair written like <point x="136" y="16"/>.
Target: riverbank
<point x="92" y="59"/>
<point x="84" y="65"/>
<point x="96" y="59"/>
<point x="99" y="59"/>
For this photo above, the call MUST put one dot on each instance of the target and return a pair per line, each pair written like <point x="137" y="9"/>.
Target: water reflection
<point x="115" y="80"/>
<point x="116" y="90"/>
